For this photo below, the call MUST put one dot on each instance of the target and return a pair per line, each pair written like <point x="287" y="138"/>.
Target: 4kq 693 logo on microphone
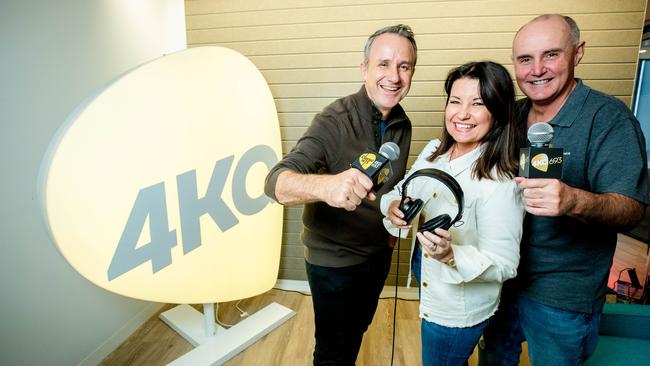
<point x="540" y="162"/>
<point x="368" y="159"/>
<point x="375" y="166"/>
<point x="369" y="162"/>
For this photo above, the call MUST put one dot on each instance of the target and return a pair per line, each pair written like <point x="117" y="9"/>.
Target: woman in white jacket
<point x="462" y="269"/>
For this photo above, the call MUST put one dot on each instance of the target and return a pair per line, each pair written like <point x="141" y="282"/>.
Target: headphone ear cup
<point x="410" y="208"/>
<point x="441" y="221"/>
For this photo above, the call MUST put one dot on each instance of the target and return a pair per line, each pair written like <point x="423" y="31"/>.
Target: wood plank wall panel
<point x="309" y="52"/>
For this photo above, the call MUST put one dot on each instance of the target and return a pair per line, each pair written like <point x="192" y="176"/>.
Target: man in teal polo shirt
<point x="570" y="230"/>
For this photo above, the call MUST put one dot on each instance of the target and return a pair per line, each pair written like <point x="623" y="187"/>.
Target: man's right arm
<point x="297" y="178"/>
<point x="344" y="190"/>
<point x="552" y="197"/>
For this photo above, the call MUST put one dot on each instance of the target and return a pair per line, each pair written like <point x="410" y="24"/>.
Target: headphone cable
<point x="392" y="351"/>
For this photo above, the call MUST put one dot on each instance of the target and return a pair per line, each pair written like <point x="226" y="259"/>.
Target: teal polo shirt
<point x="564" y="262"/>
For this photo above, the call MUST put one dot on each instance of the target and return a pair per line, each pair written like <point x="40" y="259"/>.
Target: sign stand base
<point x="214" y="344"/>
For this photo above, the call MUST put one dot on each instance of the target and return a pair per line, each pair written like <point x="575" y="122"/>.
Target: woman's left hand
<point x="437" y="245"/>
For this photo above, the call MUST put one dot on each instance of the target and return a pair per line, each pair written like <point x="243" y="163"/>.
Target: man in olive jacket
<point x="347" y="250"/>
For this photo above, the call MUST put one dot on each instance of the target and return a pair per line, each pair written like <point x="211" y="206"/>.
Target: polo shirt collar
<point x="571" y="109"/>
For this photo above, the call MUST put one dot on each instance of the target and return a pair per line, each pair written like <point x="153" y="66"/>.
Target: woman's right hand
<point x="395" y="215"/>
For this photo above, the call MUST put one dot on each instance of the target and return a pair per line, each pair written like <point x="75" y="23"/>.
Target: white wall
<point x="52" y="55"/>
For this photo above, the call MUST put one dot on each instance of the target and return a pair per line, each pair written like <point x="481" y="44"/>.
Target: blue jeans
<point x="555" y="337"/>
<point x="444" y="346"/>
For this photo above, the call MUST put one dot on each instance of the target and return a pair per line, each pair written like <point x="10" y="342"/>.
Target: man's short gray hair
<point x="399" y="29"/>
<point x="575" y="31"/>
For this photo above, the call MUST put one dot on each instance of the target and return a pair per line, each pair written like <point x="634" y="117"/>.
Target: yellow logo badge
<point x="367" y="159"/>
<point x="540" y="162"/>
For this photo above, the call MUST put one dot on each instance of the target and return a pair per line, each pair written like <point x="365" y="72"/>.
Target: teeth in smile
<point x="540" y="82"/>
<point x="390" y="88"/>
<point x="462" y="125"/>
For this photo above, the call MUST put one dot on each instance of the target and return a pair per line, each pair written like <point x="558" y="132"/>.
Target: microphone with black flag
<point x="377" y="165"/>
<point x="540" y="160"/>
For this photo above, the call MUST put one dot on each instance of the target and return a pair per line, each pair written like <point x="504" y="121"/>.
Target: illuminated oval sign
<point x="153" y="188"/>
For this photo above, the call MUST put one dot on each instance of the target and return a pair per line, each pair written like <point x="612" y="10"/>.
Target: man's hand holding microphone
<point x="540" y="173"/>
<point x="346" y="189"/>
<point x="366" y="175"/>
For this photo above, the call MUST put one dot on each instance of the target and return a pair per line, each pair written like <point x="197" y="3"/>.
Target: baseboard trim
<point x="121" y="335"/>
<point x="405" y="293"/>
<point x="293" y="285"/>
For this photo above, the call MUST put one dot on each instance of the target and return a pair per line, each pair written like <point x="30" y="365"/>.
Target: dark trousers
<point x="345" y="300"/>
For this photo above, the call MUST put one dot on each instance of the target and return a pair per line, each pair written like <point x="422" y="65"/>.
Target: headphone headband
<point x="446" y="179"/>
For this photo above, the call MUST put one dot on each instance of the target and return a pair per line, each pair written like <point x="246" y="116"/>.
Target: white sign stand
<point x="214" y="344"/>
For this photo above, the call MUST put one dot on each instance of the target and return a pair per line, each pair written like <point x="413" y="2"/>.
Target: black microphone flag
<point x="376" y="165"/>
<point x="540" y="160"/>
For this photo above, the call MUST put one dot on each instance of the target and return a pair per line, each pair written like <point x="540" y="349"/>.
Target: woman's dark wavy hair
<point x="498" y="95"/>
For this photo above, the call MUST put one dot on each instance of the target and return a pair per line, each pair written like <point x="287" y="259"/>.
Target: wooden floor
<point x="154" y="343"/>
<point x="290" y="344"/>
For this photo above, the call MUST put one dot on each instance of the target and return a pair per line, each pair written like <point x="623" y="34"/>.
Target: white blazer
<point x="485" y="241"/>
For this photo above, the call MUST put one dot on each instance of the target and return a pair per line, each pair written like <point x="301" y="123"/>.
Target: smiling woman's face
<point x="467" y="119"/>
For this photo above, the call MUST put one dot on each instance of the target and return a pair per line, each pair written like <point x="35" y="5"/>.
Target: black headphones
<point x="411" y="207"/>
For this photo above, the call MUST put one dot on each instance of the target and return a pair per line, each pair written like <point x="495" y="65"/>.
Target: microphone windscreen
<point x="390" y="150"/>
<point x="540" y="133"/>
